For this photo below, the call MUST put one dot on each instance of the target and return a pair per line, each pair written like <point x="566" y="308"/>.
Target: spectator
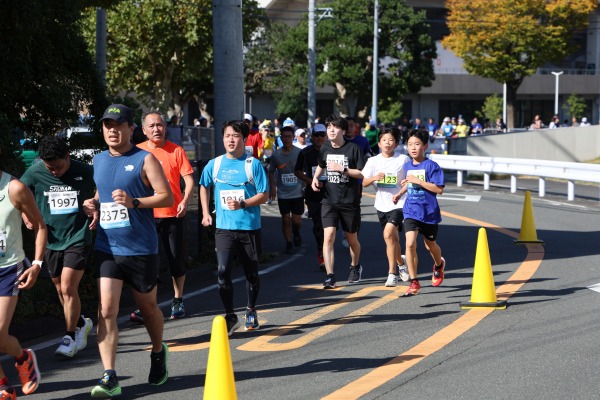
<point x="461" y="129"/>
<point x="574" y="122"/>
<point x="476" y="128"/>
<point x="554" y="123"/>
<point x="536" y="123"/>
<point x="584" y="122"/>
<point x="432" y="128"/>
<point x="447" y="129"/>
<point x="500" y="125"/>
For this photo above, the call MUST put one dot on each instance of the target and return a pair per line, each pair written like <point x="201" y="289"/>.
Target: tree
<point x="575" y="105"/>
<point x="508" y="40"/>
<point x="345" y="57"/>
<point x="492" y="108"/>
<point x="161" y="50"/>
<point x="48" y="74"/>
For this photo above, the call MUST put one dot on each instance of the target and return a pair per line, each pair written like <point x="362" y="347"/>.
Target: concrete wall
<point x="563" y="144"/>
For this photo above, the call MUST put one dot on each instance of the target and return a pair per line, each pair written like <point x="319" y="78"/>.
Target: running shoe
<point x="297" y="240"/>
<point x="321" y="262"/>
<point x="7" y="392"/>
<point x="251" y="320"/>
<point x="232" y="323"/>
<point x="82" y="333"/>
<point x="107" y="387"/>
<point x="403" y="270"/>
<point x="29" y="373"/>
<point x="413" y="289"/>
<point x="438" y="274"/>
<point x="136" y="316"/>
<point x="289" y="248"/>
<point x="159" y="372"/>
<point x="329" y="282"/>
<point x="177" y="309"/>
<point x="67" y="348"/>
<point x="392" y="281"/>
<point x="355" y="274"/>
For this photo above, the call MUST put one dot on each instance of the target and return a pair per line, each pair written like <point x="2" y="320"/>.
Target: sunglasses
<point x="319" y="134"/>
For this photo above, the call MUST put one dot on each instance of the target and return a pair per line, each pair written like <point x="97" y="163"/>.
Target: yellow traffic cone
<point x="483" y="290"/>
<point x="528" y="233"/>
<point x="219" y="383"/>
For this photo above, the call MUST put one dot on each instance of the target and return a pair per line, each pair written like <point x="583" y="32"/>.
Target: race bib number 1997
<point x="63" y="202"/>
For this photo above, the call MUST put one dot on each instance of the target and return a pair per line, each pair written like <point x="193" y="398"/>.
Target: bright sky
<point x="263" y="3"/>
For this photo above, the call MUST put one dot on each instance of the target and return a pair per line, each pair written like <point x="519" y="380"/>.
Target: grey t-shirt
<point x="283" y="164"/>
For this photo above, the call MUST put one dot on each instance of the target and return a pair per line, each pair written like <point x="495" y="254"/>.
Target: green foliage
<point x="492" y="108"/>
<point x="48" y="74"/>
<point x="508" y="40"/>
<point x="161" y="50"/>
<point x="277" y="62"/>
<point x="575" y="106"/>
<point x="391" y="113"/>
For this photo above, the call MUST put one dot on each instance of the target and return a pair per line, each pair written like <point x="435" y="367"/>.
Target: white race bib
<point x="323" y="176"/>
<point x="226" y="195"/>
<point x="249" y="150"/>
<point x="289" y="179"/>
<point x="2" y="243"/>
<point x="113" y="215"/>
<point x="63" y="202"/>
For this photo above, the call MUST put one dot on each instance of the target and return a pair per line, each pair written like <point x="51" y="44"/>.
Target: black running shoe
<point x="355" y="274"/>
<point x="108" y="387"/>
<point x="232" y="323"/>
<point x="329" y="282"/>
<point x="159" y="372"/>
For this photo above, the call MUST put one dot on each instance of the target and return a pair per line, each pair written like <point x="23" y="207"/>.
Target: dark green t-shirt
<point x="60" y="201"/>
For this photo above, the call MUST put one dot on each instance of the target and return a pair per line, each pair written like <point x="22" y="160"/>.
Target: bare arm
<point x="23" y="200"/>
<point x="204" y="201"/>
<point x="369" y="181"/>
<point x="429" y="186"/>
<point x="187" y="193"/>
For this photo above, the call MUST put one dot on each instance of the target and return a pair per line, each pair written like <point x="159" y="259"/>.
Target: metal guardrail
<point x="543" y="169"/>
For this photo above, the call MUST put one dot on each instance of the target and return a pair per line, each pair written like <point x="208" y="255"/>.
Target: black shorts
<point x="346" y="214"/>
<point x="74" y="257"/>
<point x="139" y="272"/>
<point x="294" y="206"/>
<point x="393" y="217"/>
<point x="429" y="231"/>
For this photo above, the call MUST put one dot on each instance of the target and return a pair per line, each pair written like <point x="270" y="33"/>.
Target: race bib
<point x="390" y="180"/>
<point x="113" y="215"/>
<point x="226" y="195"/>
<point x="335" y="176"/>
<point x="63" y="202"/>
<point x="289" y="179"/>
<point x="323" y="176"/>
<point x="249" y="150"/>
<point x="2" y="243"/>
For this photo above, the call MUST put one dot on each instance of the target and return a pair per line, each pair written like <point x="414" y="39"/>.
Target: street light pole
<point x="375" y="93"/>
<point x="556" y="74"/>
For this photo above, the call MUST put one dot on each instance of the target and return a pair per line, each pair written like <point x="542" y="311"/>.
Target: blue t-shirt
<point x="124" y="231"/>
<point x="361" y="142"/>
<point x="232" y="182"/>
<point x="421" y="204"/>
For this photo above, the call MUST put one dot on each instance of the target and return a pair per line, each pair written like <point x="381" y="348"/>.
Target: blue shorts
<point x="9" y="278"/>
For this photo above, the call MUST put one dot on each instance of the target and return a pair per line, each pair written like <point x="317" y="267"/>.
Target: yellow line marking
<point x="263" y="343"/>
<point x="395" y="367"/>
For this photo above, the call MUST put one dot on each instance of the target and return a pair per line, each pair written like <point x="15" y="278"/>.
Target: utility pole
<point x="556" y="74"/>
<point x="312" y="68"/>
<point x="228" y="65"/>
<point x="312" y="58"/>
<point x="375" y="61"/>
<point x="101" y="45"/>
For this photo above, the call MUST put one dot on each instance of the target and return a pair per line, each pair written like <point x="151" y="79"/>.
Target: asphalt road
<point x="364" y="341"/>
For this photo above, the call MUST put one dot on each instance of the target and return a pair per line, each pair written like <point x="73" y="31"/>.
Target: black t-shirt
<point x="341" y="188"/>
<point x="306" y="162"/>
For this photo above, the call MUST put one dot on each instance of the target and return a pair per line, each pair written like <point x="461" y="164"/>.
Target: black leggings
<point x="247" y="244"/>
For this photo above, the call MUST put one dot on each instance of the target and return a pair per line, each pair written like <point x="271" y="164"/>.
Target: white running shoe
<point x="392" y="281"/>
<point x="67" y="348"/>
<point x="82" y="333"/>
<point x="403" y="270"/>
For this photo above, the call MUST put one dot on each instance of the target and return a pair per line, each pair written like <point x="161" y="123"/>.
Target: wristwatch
<point x="345" y="170"/>
<point x="136" y="203"/>
<point x="242" y="204"/>
<point x="38" y="263"/>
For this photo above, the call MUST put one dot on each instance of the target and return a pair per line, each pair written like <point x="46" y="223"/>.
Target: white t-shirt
<point x="393" y="168"/>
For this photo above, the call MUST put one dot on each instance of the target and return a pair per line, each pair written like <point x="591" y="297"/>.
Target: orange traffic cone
<point x="219" y="383"/>
<point x="528" y="233"/>
<point x="483" y="290"/>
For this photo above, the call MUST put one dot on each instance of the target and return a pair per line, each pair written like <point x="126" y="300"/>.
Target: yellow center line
<point x="395" y="367"/>
<point x="263" y="343"/>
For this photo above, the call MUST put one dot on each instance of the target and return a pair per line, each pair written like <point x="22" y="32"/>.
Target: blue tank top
<point x="118" y="235"/>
